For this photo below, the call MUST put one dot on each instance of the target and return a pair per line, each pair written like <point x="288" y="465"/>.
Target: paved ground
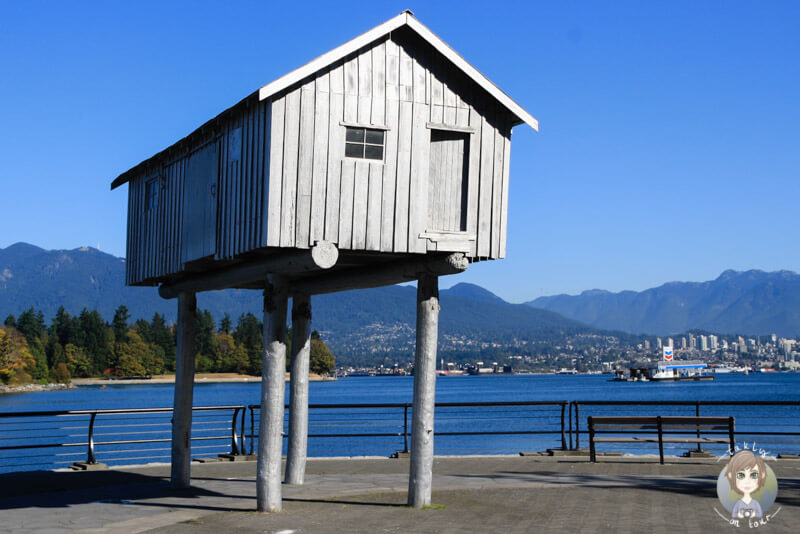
<point x="483" y="494"/>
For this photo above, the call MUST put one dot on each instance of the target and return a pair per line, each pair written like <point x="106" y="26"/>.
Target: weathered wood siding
<point x="407" y="89"/>
<point x="282" y="179"/>
<point x="212" y="202"/>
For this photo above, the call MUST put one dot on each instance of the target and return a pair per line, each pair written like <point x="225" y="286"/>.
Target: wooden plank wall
<point x="154" y="248"/>
<point x="401" y="86"/>
<point x="154" y="236"/>
<point x="314" y="192"/>
<point x="243" y="196"/>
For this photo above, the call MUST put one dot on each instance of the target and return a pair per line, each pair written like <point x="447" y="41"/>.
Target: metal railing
<point x="452" y="420"/>
<point x="775" y="423"/>
<point x="52" y="439"/>
<point x="59" y="438"/>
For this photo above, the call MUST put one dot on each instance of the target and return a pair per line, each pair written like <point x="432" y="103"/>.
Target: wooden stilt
<point x="184" y="386"/>
<point x="268" y="477"/>
<point x="421" y="476"/>
<point x="298" y="390"/>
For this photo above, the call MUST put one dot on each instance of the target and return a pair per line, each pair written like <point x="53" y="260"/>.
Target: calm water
<point x="757" y="386"/>
<point x="451" y="423"/>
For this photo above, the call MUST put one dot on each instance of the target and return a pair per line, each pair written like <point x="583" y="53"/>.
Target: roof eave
<point x="403" y="19"/>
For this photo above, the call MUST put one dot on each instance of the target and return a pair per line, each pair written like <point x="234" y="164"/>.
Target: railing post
<point x="252" y="428"/>
<point x="570" y="424"/>
<point x="90" y="459"/>
<point x="243" y="435"/>
<point x="405" y="428"/>
<point x="660" y="440"/>
<point x="234" y="445"/>
<point x="577" y="428"/>
<point x="563" y="436"/>
<point x="697" y="414"/>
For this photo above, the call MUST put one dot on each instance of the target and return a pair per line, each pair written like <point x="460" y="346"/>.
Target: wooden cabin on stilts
<point x="383" y="161"/>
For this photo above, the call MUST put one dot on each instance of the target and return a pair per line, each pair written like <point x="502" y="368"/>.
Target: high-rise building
<point x="658" y="343"/>
<point x="692" y="341"/>
<point x="646" y="344"/>
<point x="713" y="342"/>
<point x="670" y="343"/>
<point x="703" y="343"/>
<point x="683" y="342"/>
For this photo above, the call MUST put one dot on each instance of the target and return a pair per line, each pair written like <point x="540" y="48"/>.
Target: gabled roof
<point x="404" y="19"/>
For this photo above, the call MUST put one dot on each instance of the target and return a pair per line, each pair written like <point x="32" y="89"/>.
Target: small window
<point x="151" y="194"/>
<point x="364" y="143"/>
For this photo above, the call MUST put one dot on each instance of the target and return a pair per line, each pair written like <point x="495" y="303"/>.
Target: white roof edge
<point x="472" y="72"/>
<point x="364" y="39"/>
<point x="330" y="57"/>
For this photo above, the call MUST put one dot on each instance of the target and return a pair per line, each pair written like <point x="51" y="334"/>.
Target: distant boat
<point x="361" y="373"/>
<point x="666" y="371"/>
<point x="724" y="369"/>
<point x="565" y="371"/>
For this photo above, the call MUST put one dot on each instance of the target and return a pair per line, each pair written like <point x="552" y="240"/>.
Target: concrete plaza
<point x="471" y="494"/>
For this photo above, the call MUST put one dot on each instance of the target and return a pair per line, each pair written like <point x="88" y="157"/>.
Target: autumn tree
<point x="229" y="356"/>
<point x="17" y="363"/>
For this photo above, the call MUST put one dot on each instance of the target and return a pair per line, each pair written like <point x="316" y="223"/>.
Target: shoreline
<point x="199" y="378"/>
<point x="32" y="388"/>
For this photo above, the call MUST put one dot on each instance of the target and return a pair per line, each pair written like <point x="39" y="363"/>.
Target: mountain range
<point x="382" y="319"/>
<point x="751" y="302"/>
<point x="363" y="321"/>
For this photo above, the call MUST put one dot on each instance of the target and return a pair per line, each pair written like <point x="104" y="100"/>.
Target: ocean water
<point x="459" y="430"/>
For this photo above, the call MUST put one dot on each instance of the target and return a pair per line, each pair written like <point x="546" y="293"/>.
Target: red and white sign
<point x="667" y="353"/>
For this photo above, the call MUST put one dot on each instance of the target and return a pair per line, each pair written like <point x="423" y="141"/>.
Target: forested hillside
<point x="85" y="345"/>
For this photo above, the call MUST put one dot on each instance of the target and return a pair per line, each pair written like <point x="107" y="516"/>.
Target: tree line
<point x="85" y="345"/>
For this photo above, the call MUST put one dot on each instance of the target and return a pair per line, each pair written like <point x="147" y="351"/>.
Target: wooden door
<point x="199" y="234"/>
<point x="447" y="188"/>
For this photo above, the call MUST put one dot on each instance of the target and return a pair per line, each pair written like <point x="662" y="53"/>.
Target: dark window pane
<point x="373" y="152"/>
<point x="353" y="150"/>
<point x="375" y="137"/>
<point x="355" y="135"/>
<point x="151" y="194"/>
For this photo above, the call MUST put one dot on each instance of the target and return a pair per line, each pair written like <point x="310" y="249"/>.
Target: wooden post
<point x="270" y="441"/>
<point x="420" y="479"/>
<point x="298" y="390"/>
<point x="184" y="386"/>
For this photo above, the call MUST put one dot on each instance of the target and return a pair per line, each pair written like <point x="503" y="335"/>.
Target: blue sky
<point x="668" y="150"/>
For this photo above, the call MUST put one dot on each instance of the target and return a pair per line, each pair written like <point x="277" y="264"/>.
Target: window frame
<point x="364" y="130"/>
<point x="152" y="188"/>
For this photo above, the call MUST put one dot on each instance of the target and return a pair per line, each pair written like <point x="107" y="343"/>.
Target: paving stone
<point x="475" y="494"/>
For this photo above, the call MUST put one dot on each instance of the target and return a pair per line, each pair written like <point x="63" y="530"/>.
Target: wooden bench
<point x="659" y="429"/>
